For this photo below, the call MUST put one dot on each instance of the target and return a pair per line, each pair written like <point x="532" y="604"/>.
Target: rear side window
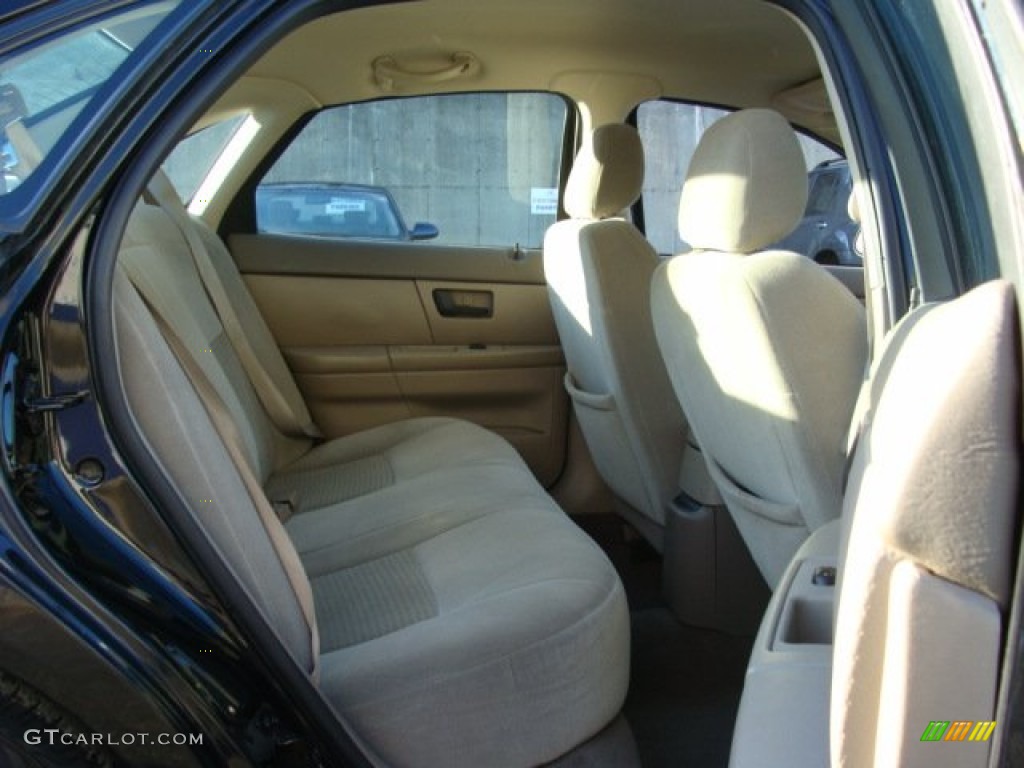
<point x="670" y="132"/>
<point x="463" y="170"/>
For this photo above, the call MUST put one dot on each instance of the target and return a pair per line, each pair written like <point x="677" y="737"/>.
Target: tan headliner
<point x="735" y="52"/>
<point x="606" y="55"/>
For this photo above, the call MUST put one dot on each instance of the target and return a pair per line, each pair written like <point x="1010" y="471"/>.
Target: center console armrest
<point x="784" y="713"/>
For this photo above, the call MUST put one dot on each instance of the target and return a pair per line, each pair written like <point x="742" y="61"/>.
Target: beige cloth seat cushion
<point x="496" y="638"/>
<point x="463" y="619"/>
<point x="459" y="591"/>
<point x="375" y="524"/>
<point x="348" y="467"/>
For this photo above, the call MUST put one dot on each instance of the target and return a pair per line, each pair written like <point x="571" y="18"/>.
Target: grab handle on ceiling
<point x="387" y="72"/>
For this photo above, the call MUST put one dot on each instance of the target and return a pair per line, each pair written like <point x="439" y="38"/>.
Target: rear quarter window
<point x="45" y="88"/>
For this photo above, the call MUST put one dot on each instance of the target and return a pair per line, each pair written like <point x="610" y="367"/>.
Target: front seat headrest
<point x="746" y="186"/>
<point x="607" y="175"/>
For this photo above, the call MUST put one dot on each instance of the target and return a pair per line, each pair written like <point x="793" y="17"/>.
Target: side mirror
<point x="423" y="231"/>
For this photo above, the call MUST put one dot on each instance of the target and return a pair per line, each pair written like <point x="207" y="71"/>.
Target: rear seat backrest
<point x="176" y="424"/>
<point x="154" y="252"/>
<point x="926" y="577"/>
<point x="244" y="325"/>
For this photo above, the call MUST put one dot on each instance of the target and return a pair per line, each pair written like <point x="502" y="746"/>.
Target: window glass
<point x="464" y="169"/>
<point x="192" y="159"/>
<point x="823" y="194"/>
<point x="670" y="132"/>
<point x="43" y="90"/>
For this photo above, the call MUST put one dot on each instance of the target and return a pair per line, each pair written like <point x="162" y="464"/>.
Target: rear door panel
<point x="363" y="333"/>
<point x="378" y="330"/>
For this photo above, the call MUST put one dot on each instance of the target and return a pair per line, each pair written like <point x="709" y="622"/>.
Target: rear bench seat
<point x="460" y="617"/>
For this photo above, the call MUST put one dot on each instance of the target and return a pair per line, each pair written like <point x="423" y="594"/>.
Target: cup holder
<point x="807" y="622"/>
<point x="806" y="618"/>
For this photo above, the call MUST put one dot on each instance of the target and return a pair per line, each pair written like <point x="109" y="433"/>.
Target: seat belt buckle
<point x="285" y="508"/>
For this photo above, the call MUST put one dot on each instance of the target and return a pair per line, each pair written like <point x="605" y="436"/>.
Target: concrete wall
<point x="469" y="164"/>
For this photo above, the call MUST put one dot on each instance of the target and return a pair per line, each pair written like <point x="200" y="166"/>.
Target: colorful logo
<point x="958" y="730"/>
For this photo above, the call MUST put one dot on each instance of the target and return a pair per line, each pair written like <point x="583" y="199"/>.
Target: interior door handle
<point x="451" y="302"/>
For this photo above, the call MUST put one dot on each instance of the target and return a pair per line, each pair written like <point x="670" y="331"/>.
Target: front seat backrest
<point x="765" y="349"/>
<point x="598" y="269"/>
<point x="932" y="525"/>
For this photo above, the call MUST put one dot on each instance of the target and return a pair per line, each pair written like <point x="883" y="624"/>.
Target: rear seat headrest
<point x="607" y="175"/>
<point x="746" y="186"/>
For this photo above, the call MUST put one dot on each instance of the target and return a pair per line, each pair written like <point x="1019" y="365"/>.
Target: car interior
<point x="548" y="488"/>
